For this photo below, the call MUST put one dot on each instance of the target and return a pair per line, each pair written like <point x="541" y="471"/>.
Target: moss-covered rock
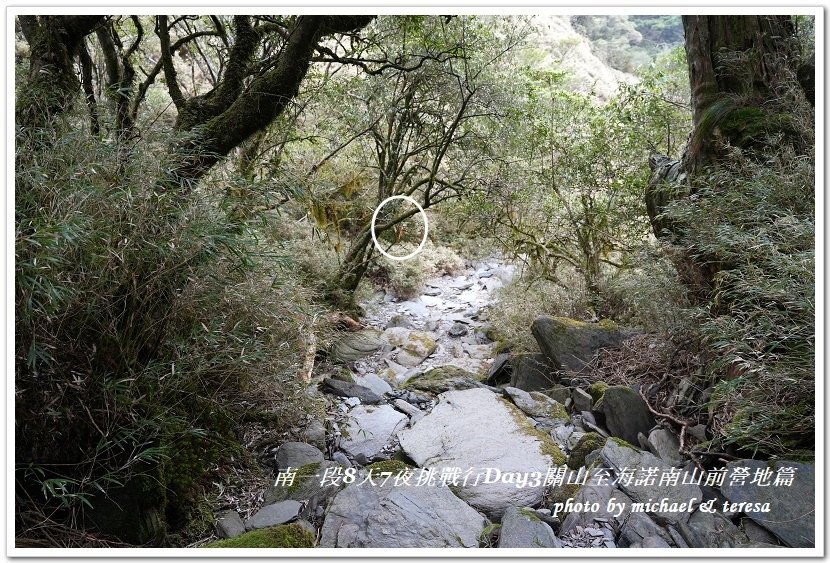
<point x="288" y="535"/>
<point x="561" y="493"/>
<point x="443" y="378"/>
<point x="597" y="390"/>
<point x="586" y="444"/>
<point x="395" y="466"/>
<point x="546" y="444"/>
<point x="570" y="344"/>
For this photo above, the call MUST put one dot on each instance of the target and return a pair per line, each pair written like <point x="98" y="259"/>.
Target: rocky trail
<point x="434" y="440"/>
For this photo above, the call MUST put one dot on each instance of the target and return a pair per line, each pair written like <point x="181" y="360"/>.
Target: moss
<point x="303" y="473"/>
<point x="608" y="324"/>
<point x="597" y="390"/>
<point x="428" y="380"/>
<point x="557" y="410"/>
<point x="343" y="375"/>
<point x="749" y="125"/>
<point x="546" y="444"/>
<point x="586" y="444"/>
<point x="199" y="523"/>
<point x="529" y="514"/>
<point x="562" y="493"/>
<point x="290" y="535"/>
<point x="390" y="465"/>
<point x="621" y="442"/>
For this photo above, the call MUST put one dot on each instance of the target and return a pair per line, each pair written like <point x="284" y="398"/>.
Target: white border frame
<point x="459" y="7"/>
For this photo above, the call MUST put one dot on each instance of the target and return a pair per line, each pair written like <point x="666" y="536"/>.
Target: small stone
<point x="457" y="330"/>
<point x="582" y="400"/>
<point x="229" y="524"/>
<point x="341" y="459"/>
<point x="352" y="401"/>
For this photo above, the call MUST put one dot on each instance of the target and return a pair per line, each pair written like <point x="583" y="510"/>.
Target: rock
<point x="415" y="414"/>
<point x="297" y="454"/>
<point x="559" y="393"/>
<point x="457" y="330"/>
<point x="500" y="371"/>
<point x="346" y="389"/>
<point x="756" y="533"/>
<point x="716" y="531"/>
<point x="414" y="308"/>
<point x="521" y="528"/>
<point x="652" y="542"/>
<point x="479" y="351"/>
<point x="443" y="378"/>
<point x="399" y="321"/>
<point x="351" y="401"/>
<point x="680" y="499"/>
<point x="538" y="406"/>
<point x="315" y="434"/>
<point x="386" y="516"/>
<point x="625" y="413"/>
<point x="229" y="524"/>
<point x="665" y="445"/>
<point x="341" y="459"/>
<point x="570" y="344"/>
<point x="477" y="429"/>
<point x="582" y="400"/>
<point x="369" y="429"/>
<point x="792" y="508"/>
<point x="433" y="291"/>
<point x="415" y="345"/>
<point x="371" y="381"/>
<point x="531" y="372"/>
<point x="586" y="444"/>
<point x="273" y="514"/>
<point x="355" y="345"/>
<point x="307" y="486"/>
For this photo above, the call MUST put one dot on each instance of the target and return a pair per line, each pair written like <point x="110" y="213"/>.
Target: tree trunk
<point x="52" y="84"/>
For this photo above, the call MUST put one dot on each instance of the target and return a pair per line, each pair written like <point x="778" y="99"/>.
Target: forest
<point x="346" y="281"/>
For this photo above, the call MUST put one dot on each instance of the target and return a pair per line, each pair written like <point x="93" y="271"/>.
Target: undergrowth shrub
<point x="142" y="333"/>
<point x="753" y="217"/>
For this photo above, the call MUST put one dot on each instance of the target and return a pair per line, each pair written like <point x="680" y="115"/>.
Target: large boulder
<point x="297" y="454"/>
<point x="625" y="413"/>
<point x="792" y="508"/>
<point x="384" y="515"/>
<point x="477" y="429"/>
<point x="443" y="378"/>
<point x="570" y="344"/>
<point x="532" y="372"/>
<point x="414" y="346"/>
<point x="667" y="503"/>
<point x="538" y="406"/>
<point x="369" y="429"/>
<point x="274" y="514"/>
<point x="521" y="528"/>
<point x="347" y="389"/>
<point x="354" y="346"/>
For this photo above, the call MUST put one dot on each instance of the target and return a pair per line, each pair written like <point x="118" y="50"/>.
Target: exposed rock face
<point x="685" y="497"/>
<point x="371" y="428"/>
<point x="405" y="516"/>
<point x="570" y="344"/>
<point x="520" y="528"/>
<point x="625" y="413"/>
<point x="356" y="345"/>
<point x="451" y="436"/>
<point x="792" y="515"/>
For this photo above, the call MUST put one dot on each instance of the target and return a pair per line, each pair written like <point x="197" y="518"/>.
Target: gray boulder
<point x="369" y="429"/>
<point x="716" y="531"/>
<point x="274" y="514"/>
<point x="679" y="499"/>
<point x="665" y="445"/>
<point x="570" y="344"/>
<point x="346" y="389"/>
<point x="406" y="516"/>
<point x="443" y="378"/>
<point x="355" y="345"/>
<point x="531" y="372"/>
<point x="414" y="346"/>
<point x="307" y="487"/>
<point x="478" y="429"/>
<point x="538" y="406"/>
<point x="297" y="454"/>
<point x="792" y="511"/>
<point x="652" y="542"/>
<point x="521" y="528"/>
<point x="625" y="413"/>
<point x="371" y="381"/>
<point x="229" y="524"/>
